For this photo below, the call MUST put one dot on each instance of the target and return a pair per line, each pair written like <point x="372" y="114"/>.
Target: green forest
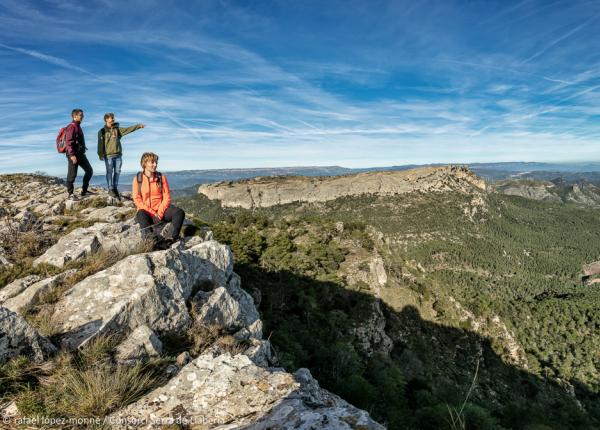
<point x="499" y="256"/>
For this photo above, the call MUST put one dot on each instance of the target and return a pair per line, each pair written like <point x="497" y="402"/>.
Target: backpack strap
<point x="140" y="179"/>
<point x="159" y="180"/>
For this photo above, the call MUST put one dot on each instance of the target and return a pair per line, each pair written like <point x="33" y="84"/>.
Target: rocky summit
<point x="78" y="282"/>
<point x="270" y="191"/>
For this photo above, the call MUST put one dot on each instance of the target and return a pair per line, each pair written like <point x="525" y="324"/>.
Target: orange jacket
<point x="150" y="198"/>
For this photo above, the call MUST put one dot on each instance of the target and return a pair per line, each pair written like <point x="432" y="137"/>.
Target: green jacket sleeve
<point x="101" y="151"/>
<point x="126" y="130"/>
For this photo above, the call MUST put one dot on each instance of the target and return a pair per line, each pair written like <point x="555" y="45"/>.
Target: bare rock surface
<point x="270" y="191"/>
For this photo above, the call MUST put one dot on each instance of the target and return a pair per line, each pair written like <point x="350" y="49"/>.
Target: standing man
<point x="75" y="143"/>
<point x="109" y="150"/>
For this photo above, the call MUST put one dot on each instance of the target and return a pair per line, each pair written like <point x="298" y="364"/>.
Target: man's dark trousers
<point x="72" y="172"/>
<point x="173" y="214"/>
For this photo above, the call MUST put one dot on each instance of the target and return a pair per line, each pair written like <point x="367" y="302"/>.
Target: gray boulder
<point x="122" y="236"/>
<point x="16" y="287"/>
<point x="78" y="244"/>
<point x="17" y="337"/>
<point x="227" y="392"/>
<point x="145" y="289"/>
<point x="140" y="345"/>
<point x="232" y="309"/>
<point x="30" y="295"/>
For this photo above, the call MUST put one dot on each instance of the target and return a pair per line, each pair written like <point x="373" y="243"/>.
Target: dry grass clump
<point x="21" y="243"/>
<point x="84" y="383"/>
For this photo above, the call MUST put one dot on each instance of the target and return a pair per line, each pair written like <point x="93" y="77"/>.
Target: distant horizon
<point x="129" y="172"/>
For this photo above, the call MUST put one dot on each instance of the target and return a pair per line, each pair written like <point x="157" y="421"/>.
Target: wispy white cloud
<point x="54" y="61"/>
<point x="564" y="36"/>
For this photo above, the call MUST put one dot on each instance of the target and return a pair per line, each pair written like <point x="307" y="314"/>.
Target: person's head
<point x="77" y="115"/>
<point x="109" y="119"/>
<point x="149" y="161"/>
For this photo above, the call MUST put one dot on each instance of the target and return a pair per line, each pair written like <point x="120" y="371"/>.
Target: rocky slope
<point x="446" y="281"/>
<point x="557" y="191"/>
<point x="144" y="299"/>
<point x="270" y="191"/>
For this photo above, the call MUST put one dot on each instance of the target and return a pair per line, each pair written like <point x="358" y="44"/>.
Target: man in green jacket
<point x="110" y="151"/>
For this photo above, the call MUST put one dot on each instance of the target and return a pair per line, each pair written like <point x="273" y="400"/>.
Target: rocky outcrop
<point x="17" y="337"/>
<point x="227" y="392"/>
<point x="264" y="192"/>
<point x="145" y="289"/>
<point x="579" y="193"/>
<point x="370" y="333"/>
<point x="140" y="345"/>
<point x="117" y="236"/>
<point x="536" y="190"/>
<point x="230" y="308"/>
<point x="148" y="298"/>
<point x="18" y="286"/>
<point x="29" y="295"/>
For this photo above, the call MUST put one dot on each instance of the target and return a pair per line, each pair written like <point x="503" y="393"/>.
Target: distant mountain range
<point x="569" y="172"/>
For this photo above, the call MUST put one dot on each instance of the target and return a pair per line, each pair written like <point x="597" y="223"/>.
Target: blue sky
<point x="224" y="84"/>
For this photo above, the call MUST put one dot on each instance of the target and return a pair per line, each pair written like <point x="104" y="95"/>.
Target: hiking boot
<point x="85" y="193"/>
<point x="112" y="193"/>
<point x="72" y="197"/>
<point x="163" y="244"/>
<point x="116" y="194"/>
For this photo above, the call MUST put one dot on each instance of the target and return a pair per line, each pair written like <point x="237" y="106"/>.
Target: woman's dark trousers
<point x="173" y="214"/>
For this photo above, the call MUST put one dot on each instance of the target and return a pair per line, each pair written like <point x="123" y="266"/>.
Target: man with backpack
<point x="152" y="197"/>
<point x="74" y="147"/>
<point x="110" y="150"/>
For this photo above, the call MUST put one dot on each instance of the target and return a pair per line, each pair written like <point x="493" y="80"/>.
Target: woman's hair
<point x="148" y="156"/>
<point x="75" y="112"/>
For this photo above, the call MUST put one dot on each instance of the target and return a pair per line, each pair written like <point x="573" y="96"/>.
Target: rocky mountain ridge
<point x="270" y="191"/>
<point x="580" y="193"/>
<point x="143" y="299"/>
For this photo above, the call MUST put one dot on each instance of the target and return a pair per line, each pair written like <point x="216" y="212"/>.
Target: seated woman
<point x="150" y="192"/>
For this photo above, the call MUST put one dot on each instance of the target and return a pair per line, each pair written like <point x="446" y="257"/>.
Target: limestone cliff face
<point x="579" y="193"/>
<point x="270" y="191"/>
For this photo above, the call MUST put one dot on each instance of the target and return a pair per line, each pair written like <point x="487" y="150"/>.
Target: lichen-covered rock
<point x="80" y="243"/>
<point x="260" y="352"/>
<point x="140" y="345"/>
<point x="17" y="337"/>
<point x="31" y="294"/>
<point x="107" y="213"/>
<point x="227" y="392"/>
<point x="17" y="286"/>
<point x="231" y="308"/>
<point x="145" y="289"/>
<point x="122" y="236"/>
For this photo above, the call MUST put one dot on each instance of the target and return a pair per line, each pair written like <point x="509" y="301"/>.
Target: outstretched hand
<point x="142" y="126"/>
<point x="156" y="219"/>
